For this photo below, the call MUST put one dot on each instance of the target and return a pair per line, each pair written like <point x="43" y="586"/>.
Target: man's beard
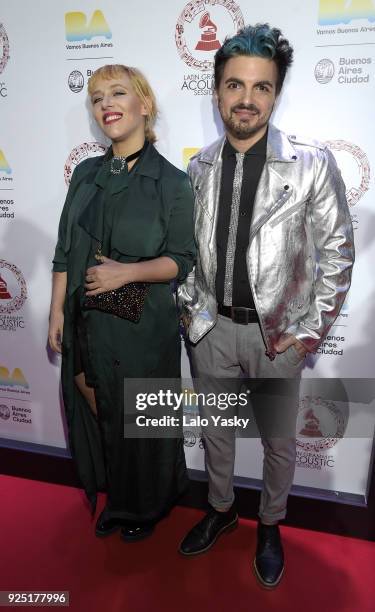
<point x="241" y="130"/>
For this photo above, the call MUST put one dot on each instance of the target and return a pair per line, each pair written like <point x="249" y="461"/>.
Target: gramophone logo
<point x="334" y="12"/>
<point x="4" y="48"/>
<point x="208" y="40"/>
<point x="201" y="29"/>
<point x="78" y="28"/>
<point x="13" y="291"/>
<point x="321" y="424"/>
<point x="78" y="154"/>
<point x="354" y="165"/>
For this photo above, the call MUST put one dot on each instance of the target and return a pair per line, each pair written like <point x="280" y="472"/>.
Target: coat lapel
<point x="274" y="188"/>
<point x="207" y="189"/>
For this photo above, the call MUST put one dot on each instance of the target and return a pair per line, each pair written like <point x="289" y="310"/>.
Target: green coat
<point x="147" y="214"/>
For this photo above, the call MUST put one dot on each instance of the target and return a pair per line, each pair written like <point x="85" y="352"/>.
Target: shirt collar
<point x="259" y="148"/>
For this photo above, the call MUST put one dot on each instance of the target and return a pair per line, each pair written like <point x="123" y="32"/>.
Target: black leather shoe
<point x="105" y="527"/>
<point x="205" y="533"/>
<point x="134" y="532"/>
<point x="269" y="557"/>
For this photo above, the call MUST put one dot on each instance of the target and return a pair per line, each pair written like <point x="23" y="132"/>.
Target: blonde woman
<point x="135" y="209"/>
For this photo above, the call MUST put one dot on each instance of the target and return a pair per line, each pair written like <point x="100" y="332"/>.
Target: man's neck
<point x="244" y="145"/>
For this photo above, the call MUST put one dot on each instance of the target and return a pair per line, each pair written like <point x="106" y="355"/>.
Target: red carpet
<point x="47" y="543"/>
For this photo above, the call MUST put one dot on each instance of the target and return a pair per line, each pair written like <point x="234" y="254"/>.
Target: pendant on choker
<point x="118" y="162"/>
<point x="117" y="165"/>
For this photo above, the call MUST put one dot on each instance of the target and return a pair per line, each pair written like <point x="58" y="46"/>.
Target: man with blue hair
<point x="275" y="255"/>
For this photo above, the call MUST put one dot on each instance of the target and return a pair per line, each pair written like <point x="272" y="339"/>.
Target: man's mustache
<point x="249" y="107"/>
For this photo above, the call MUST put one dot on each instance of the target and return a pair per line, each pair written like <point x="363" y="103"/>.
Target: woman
<point x="127" y="218"/>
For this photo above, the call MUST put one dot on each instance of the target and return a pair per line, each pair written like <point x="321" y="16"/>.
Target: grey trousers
<point x="228" y="357"/>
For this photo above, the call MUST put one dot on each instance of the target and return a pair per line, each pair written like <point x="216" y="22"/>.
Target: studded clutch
<point x="126" y="302"/>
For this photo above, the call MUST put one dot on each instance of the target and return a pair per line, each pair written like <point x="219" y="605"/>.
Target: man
<point x="275" y="255"/>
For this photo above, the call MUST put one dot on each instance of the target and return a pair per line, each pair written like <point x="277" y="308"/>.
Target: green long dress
<point x="142" y="215"/>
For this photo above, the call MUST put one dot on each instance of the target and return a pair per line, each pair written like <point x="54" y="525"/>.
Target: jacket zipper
<point x="271" y="354"/>
<point x="286" y="214"/>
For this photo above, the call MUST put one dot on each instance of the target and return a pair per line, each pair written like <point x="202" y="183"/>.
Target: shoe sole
<point x="230" y="527"/>
<point x="266" y="585"/>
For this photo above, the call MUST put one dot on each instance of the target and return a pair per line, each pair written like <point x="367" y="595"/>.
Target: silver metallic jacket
<point x="300" y="252"/>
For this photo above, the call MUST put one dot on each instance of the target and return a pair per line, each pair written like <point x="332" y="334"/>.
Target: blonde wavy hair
<point x="140" y="85"/>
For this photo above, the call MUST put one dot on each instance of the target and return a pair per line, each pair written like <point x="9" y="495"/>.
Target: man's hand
<point x="186" y="320"/>
<point x="106" y="276"/>
<point x="288" y="340"/>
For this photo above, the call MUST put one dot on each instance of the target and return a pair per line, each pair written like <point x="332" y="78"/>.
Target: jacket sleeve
<point x="60" y="259"/>
<point x="332" y="234"/>
<point x="186" y="290"/>
<point x="180" y="235"/>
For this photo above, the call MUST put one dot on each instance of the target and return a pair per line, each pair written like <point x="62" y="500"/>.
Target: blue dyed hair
<point x="256" y="41"/>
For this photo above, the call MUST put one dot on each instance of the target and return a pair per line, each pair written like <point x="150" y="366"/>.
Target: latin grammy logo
<point x="4" y="293"/>
<point x="208" y="41"/>
<point x="311" y="428"/>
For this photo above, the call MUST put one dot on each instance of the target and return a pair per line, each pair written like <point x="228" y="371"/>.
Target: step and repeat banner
<point x="48" y="50"/>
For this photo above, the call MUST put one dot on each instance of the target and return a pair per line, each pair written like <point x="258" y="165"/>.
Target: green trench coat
<point x="151" y="216"/>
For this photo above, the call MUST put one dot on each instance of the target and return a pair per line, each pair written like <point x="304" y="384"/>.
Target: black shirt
<point x="253" y="165"/>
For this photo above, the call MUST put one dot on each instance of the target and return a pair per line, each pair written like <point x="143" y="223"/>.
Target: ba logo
<point x="4" y="166"/>
<point x="332" y="12"/>
<point x="4" y="48"/>
<point x="16" y="379"/>
<point x="77" y="28"/>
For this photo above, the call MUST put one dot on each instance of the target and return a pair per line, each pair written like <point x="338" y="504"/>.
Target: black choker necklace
<point x="119" y="162"/>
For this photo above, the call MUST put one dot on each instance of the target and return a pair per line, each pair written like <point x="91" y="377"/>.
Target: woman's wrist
<point x="56" y="311"/>
<point x="130" y="272"/>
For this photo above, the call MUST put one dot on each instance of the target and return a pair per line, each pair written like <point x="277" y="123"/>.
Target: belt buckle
<point x="240" y="315"/>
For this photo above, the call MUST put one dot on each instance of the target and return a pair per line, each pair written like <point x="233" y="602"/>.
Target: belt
<point x="238" y="314"/>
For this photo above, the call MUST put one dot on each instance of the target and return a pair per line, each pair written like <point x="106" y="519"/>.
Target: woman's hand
<point x="55" y="330"/>
<point x="108" y="275"/>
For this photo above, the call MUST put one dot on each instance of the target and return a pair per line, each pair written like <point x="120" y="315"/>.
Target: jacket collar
<point x="150" y="164"/>
<point x="279" y="148"/>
